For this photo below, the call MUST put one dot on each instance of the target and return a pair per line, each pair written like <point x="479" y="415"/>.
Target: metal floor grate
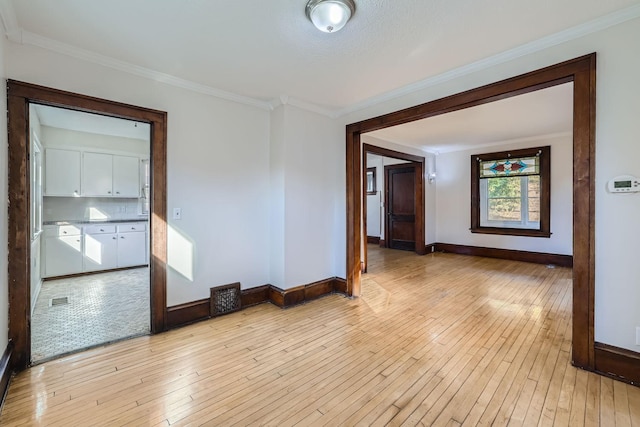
<point x="58" y="301"/>
<point x="225" y="299"/>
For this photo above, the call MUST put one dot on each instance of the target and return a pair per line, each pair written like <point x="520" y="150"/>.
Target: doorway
<point x="580" y="71"/>
<point x="377" y="198"/>
<point x="400" y="206"/>
<point x="20" y="95"/>
<point x="89" y="239"/>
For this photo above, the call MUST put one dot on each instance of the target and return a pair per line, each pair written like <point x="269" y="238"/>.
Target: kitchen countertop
<point x="108" y="221"/>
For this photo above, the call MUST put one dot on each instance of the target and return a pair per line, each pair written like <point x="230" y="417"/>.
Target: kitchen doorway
<point x="19" y="97"/>
<point x="90" y="186"/>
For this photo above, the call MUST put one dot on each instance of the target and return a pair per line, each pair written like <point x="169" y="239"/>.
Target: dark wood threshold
<point x="195" y="311"/>
<point x="89" y="273"/>
<point x="514" y="255"/>
<point x="5" y="373"/>
<point x="618" y="363"/>
<point x="373" y="239"/>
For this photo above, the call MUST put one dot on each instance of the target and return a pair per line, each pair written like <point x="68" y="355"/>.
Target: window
<point x="510" y="192"/>
<point x="371" y="181"/>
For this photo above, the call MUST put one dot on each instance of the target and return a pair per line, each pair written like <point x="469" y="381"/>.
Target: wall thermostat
<point x="624" y="184"/>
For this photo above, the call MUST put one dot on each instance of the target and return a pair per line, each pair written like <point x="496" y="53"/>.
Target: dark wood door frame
<point x="19" y="96"/>
<point x="420" y="168"/>
<point x="582" y="72"/>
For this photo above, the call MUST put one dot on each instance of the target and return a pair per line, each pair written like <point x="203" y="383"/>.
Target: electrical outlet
<point x="177" y="213"/>
<point x="637" y="335"/>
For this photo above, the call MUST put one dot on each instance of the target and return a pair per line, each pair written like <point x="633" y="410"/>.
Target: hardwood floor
<point x="441" y="339"/>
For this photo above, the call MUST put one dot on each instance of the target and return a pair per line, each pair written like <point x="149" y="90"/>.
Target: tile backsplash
<point x="89" y="208"/>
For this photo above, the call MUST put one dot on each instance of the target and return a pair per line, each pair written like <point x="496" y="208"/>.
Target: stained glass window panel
<point x="510" y="167"/>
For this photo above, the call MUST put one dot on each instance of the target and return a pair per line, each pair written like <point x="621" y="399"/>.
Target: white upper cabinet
<point x="126" y="176"/>
<point x="62" y="173"/>
<point x="97" y="175"/>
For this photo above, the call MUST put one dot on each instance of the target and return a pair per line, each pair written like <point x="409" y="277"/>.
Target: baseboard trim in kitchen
<point x="195" y="311"/>
<point x="89" y="273"/>
<point x="5" y="372"/>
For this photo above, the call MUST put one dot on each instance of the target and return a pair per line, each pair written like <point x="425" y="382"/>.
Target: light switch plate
<point x="177" y="213"/>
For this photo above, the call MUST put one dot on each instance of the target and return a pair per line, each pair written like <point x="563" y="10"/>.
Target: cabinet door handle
<point x="117" y="192"/>
<point x="113" y="238"/>
<point x="122" y="237"/>
<point x="108" y="192"/>
<point x="102" y="229"/>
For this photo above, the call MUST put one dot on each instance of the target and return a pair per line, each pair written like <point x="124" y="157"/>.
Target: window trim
<point x="545" y="193"/>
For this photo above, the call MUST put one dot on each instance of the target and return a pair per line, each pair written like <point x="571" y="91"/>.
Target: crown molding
<point x="9" y="20"/>
<point x="294" y="102"/>
<point x="564" y="36"/>
<point x="17" y="35"/>
<point x="29" y="38"/>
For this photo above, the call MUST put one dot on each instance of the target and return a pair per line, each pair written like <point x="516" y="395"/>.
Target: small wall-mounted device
<point x="624" y="184"/>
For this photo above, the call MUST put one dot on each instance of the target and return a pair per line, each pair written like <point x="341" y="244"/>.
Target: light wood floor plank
<point x="441" y="340"/>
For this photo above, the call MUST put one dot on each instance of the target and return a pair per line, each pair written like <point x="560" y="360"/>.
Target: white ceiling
<point x="542" y="113"/>
<point x="266" y="50"/>
<point x="91" y="123"/>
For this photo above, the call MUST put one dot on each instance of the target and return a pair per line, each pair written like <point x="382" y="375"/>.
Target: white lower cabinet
<point x="132" y="248"/>
<point x="62" y="251"/>
<point x="75" y="249"/>
<point x="100" y="248"/>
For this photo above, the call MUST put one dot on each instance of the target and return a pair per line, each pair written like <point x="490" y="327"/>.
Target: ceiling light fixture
<point x="330" y="15"/>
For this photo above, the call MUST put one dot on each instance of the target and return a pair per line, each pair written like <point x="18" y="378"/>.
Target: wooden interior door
<point x="400" y="203"/>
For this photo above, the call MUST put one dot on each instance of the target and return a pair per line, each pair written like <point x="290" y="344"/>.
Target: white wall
<point x="453" y="194"/>
<point x="4" y="287"/>
<point x="218" y="164"/>
<point x="617" y="148"/>
<point x="312" y="142"/>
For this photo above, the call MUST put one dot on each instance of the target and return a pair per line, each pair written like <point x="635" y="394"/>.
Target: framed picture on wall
<point x="371" y="181"/>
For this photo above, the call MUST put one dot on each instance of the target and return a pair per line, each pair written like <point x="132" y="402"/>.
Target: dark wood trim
<point x="618" y="363"/>
<point x="582" y="72"/>
<point x="545" y="192"/>
<point x="385" y="152"/>
<point x="504" y="231"/>
<point x="19" y="96"/>
<point x="254" y="296"/>
<point x="5" y="372"/>
<point x="340" y="286"/>
<point x="510" y="254"/>
<point x="374" y="240"/>
<point x="431" y="247"/>
<point x="187" y="313"/>
<point x="195" y="311"/>
<point x="383" y="243"/>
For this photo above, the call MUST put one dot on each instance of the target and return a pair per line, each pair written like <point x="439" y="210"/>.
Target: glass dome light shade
<point x="330" y="16"/>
